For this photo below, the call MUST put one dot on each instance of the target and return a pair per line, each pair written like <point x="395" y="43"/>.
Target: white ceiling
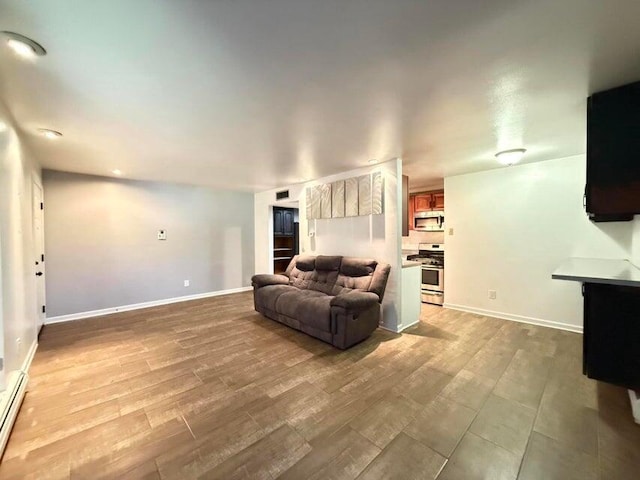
<point x="255" y="94"/>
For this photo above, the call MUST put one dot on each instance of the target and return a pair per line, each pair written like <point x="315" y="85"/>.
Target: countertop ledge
<point x="598" y="270"/>
<point x="409" y="263"/>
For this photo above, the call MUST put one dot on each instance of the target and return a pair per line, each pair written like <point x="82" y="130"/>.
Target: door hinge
<point x="41" y="205"/>
<point x="44" y="309"/>
<point x="42" y="257"/>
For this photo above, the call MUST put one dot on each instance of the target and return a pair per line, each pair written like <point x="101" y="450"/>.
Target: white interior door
<point x="38" y="254"/>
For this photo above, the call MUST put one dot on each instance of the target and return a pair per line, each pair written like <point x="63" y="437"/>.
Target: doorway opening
<point x="38" y="254"/>
<point x="286" y="236"/>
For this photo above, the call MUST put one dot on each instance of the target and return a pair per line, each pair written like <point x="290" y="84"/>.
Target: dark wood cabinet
<point x="283" y="220"/>
<point x="611" y="341"/>
<point x="285" y="237"/>
<point x="612" y="191"/>
<point x="287" y="222"/>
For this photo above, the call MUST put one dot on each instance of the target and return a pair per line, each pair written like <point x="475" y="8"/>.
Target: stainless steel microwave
<point x="429" y="221"/>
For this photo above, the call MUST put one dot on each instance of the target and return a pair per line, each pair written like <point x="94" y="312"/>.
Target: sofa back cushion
<point x="355" y="274"/>
<point x="314" y="273"/>
<point x="334" y="275"/>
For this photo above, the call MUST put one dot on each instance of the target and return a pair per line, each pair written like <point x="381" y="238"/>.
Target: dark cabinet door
<point x="613" y="141"/>
<point x="611" y="338"/>
<point x="287" y="222"/>
<point x="278" y="221"/>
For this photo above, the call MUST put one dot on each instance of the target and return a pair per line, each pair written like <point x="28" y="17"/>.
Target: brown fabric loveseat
<point x="333" y="298"/>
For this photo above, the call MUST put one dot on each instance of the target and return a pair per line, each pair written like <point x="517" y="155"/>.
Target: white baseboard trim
<point x="388" y="329"/>
<point x="11" y="399"/>
<point x="635" y="405"/>
<point x="26" y="365"/>
<point x="516" y="318"/>
<point x="10" y="402"/>
<point x="404" y="327"/>
<point x="138" y="306"/>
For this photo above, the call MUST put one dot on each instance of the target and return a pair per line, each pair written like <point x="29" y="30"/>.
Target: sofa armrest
<point x="264" y="279"/>
<point x="355" y="301"/>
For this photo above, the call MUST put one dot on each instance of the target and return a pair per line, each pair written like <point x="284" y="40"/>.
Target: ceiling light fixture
<point x="24" y="46"/>
<point x="116" y="171"/>
<point x="50" y="134"/>
<point x="509" y="157"/>
<point x="373" y="160"/>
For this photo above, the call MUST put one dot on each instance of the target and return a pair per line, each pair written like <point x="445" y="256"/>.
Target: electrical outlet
<point x="186" y="283"/>
<point x="450" y="231"/>
<point x="492" y="294"/>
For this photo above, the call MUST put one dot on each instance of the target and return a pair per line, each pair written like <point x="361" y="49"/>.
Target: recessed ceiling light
<point x="50" y="134"/>
<point x="509" y="157"/>
<point x="24" y="46"/>
<point x="373" y="160"/>
<point x="116" y="172"/>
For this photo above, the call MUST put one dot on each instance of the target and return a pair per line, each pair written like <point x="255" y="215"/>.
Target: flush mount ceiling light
<point x="117" y="172"/>
<point x="50" y="134"/>
<point x="509" y="157"/>
<point x="373" y="160"/>
<point x="24" y="46"/>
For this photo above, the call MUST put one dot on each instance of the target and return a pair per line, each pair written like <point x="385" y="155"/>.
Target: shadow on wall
<point x="620" y="232"/>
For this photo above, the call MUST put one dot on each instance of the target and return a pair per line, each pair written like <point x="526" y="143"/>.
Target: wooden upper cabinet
<point x="438" y="200"/>
<point x="429" y="201"/>
<point x="422" y="202"/>
<point x="412" y="209"/>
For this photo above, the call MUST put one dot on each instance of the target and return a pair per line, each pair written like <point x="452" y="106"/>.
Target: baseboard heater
<point x="10" y="401"/>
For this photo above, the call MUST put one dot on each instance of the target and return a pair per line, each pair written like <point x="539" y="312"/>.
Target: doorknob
<point x="38" y="274"/>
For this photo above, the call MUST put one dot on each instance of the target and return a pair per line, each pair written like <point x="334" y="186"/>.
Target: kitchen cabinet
<point x="612" y="334"/>
<point x="422" y="202"/>
<point x="612" y="191"/>
<point x="285" y="238"/>
<point x="428" y="201"/>
<point x="283" y="220"/>
<point x="611" y="339"/>
<point x="438" y="200"/>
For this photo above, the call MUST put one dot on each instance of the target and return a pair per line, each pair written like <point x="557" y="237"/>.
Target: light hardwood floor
<point x="211" y="389"/>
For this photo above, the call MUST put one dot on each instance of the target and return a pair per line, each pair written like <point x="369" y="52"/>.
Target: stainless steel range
<point x="431" y="255"/>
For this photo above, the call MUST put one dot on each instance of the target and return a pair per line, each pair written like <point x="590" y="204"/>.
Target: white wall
<point x="102" y="249"/>
<point x="512" y="227"/>
<point x="635" y="254"/>
<point x="18" y="297"/>
<point x="374" y="236"/>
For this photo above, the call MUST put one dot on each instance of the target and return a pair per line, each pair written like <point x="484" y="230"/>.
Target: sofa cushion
<point x="328" y="263"/>
<point x="357" y="267"/>
<point x="268" y="295"/>
<point x="307" y="306"/>
<point x="305" y="264"/>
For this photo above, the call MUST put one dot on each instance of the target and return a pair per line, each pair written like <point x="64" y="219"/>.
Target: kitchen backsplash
<point x="411" y="242"/>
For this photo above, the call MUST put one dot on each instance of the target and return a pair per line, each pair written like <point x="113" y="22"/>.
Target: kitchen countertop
<point x="598" y="270"/>
<point x="409" y="263"/>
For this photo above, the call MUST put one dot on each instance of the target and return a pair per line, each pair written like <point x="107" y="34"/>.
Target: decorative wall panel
<point x="351" y="197"/>
<point x="337" y="199"/>
<point x="377" y="193"/>
<point x="364" y="195"/>
<point x="309" y="201"/>
<point x="325" y="200"/>
<point x="315" y="201"/>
